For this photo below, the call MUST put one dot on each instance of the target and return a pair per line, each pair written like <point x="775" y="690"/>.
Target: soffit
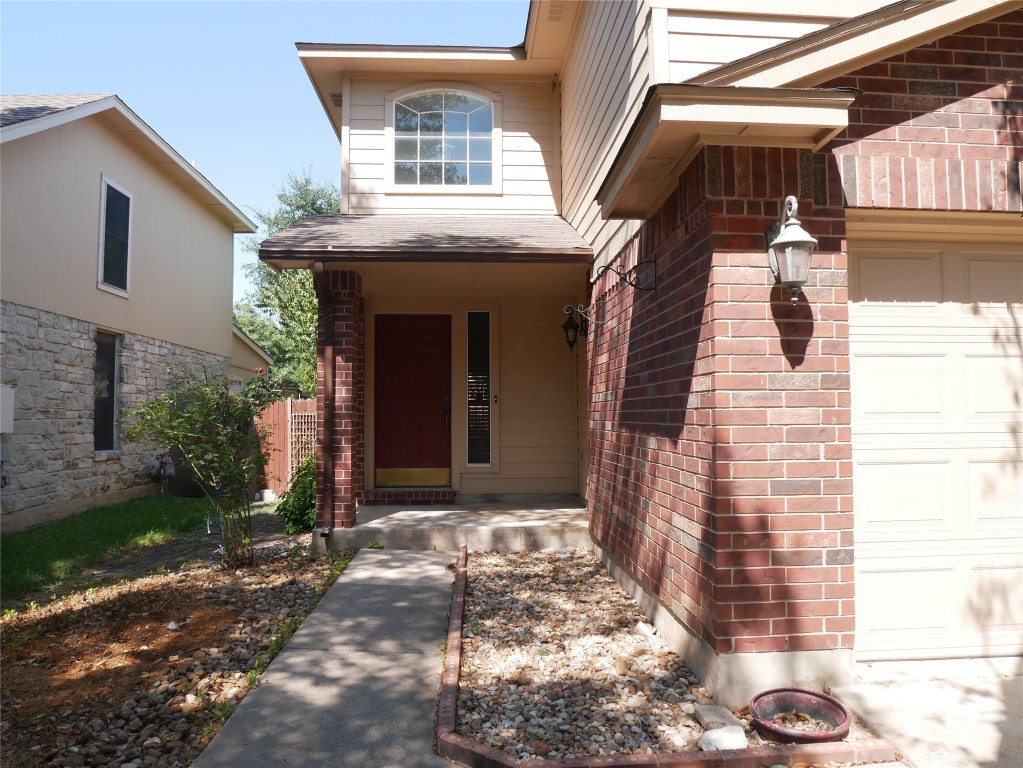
<point x="398" y="238"/>
<point x="676" y="121"/>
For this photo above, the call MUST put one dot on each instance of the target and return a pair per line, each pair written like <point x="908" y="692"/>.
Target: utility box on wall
<point x="7" y="410"/>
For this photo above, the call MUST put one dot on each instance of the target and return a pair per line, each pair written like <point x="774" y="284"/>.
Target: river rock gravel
<point x="559" y="662"/>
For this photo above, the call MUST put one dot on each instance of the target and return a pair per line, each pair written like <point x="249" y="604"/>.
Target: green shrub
<point x="298" y="505"/>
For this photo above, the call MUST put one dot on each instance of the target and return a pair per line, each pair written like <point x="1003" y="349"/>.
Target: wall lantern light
<point x="790" y="250"/>
<point x="570" y="327"/>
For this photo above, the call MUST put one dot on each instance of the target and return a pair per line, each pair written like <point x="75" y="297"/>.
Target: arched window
<point x="443" y="138"/>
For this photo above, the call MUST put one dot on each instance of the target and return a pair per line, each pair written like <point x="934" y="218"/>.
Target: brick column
<point x="720" y="436"/>
<point x="340" y="380"/>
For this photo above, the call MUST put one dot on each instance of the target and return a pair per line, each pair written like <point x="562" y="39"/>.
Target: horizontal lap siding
<point x="698" y="42"/>
<point x="531" y="173"/>
<point x="607" y="73"/>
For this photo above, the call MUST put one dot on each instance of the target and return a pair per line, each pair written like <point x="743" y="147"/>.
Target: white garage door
<point x="936" y="341"/>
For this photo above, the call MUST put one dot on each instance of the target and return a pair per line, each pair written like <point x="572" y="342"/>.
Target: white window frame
<point x="106" y="181"/>
<point x="497" y="162"/>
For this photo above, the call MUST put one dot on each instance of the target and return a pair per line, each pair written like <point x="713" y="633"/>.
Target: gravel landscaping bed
<point x="558" y="662"/>
<point x="143" y="673"/>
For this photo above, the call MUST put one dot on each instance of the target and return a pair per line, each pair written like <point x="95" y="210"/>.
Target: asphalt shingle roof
<point x="18" y="108"/>
<point x="426" y="237"/>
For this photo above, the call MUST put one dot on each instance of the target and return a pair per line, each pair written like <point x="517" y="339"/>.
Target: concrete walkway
<point x="960" y="713"/>
<point x="357" y="684"/>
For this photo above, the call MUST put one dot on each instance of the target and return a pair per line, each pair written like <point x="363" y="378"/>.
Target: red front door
<point x="413" y="400"/>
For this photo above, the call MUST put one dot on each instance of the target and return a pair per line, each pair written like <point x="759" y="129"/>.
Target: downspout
<point x="325" y="446"/>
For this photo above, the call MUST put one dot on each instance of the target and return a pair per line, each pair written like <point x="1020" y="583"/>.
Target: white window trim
<point x="105" y="182"/>
<point x="497" y="167"/>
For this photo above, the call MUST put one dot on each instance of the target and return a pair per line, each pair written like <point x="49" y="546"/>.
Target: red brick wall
<point x="341" y="311"/>
<point x="720" y="457"/>
<point x="720" y="443"/>
<point x="939" y="127"/>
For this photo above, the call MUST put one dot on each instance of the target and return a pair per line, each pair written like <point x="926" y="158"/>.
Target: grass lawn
<point x="51" y="558"/>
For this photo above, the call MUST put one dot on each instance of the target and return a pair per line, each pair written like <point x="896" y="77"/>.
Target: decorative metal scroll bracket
<point x="632" y="276"/>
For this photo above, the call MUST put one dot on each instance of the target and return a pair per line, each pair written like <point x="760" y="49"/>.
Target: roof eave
<point x="849" y="45"/>
<point x="676" y="121"/>
<point x="300" y="257"/>
<point x="117" y="116"/>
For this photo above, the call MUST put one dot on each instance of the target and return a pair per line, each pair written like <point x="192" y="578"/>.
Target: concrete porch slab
<point x="517" y="525"/>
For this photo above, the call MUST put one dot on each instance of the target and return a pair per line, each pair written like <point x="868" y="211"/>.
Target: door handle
<point x="447" y="418"/>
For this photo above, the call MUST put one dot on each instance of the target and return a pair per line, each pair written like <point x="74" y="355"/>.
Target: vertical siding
<point x="607" y="74"/>
<point x="531" y="170"/>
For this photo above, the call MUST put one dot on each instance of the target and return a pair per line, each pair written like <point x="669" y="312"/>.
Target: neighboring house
<point x="117" y="269"/>
<point x="247" y="358"/>
<point x="784" y="485"/>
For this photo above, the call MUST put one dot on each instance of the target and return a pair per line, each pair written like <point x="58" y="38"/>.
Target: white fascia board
<point x="345" y="52"/>
<point x="678" y="120"/>
<point x="850" y="45"/>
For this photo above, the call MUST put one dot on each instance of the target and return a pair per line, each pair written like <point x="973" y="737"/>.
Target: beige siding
<point x="608" y="70"/>
<point x="531" y="166"/>
<point x="535" y="416"/>
<point x="536" y="406"/>
<point x="180" y="267"/>
<point x="698" y="42"/>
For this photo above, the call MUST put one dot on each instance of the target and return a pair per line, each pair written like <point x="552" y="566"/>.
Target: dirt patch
<point x="143" y="672"/>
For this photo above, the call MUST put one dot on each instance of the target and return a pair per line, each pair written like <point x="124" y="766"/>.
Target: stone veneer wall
<point x="49" y="360"/>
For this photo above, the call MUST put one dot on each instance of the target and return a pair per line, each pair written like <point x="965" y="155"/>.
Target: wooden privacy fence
<point x="292" y="436"/>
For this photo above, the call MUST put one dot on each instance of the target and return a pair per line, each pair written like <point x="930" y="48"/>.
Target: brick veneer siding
<point x="939" y="127"/>
<point x="720" y="439"/>
<point x="721" y="461"/>
<point x="341" y="306"/>
<point x="49" y="360"/>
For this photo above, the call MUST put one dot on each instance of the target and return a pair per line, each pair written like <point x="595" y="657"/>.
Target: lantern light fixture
<point x="571" y="328"/>
<point x="790" y="249"/>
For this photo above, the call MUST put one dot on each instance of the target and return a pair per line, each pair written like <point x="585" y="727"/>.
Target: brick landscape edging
<point x="468" y="752"/>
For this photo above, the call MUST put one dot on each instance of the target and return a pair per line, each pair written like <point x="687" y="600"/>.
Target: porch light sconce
<point x="790" y="249"/>
<point x="572" y="329"/>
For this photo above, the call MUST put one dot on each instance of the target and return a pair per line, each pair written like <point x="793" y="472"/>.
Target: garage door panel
<point x="912" y="278"/>
<point x="904" y="497"/>
<point x="907" y="603"/>
<point x="992" y="384"/>
<point x="991" y="281"/>
<point x="907" y="388"/>
<point x="995" y="596"/>
<point x="995" y="497"/>
<point x="937" y="384"/>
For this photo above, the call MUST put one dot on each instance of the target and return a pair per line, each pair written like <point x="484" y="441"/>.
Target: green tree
<point x="280" y="311"/>
<point x="215" y="430"/>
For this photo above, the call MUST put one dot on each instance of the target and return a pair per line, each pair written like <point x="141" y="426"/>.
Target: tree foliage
<point x="215" y="431"/>
<point x="279" y="313"/>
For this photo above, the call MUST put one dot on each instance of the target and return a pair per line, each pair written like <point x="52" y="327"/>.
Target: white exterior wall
<point x="180" y="264"/>
<point x="531" y="164"/>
